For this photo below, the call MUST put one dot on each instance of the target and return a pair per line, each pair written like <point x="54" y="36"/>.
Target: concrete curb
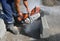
<point x="45" y="33"/>
<point x="2" y="28"/>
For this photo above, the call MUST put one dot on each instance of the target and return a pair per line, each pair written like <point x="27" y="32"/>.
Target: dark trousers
<point x="8" y="9"/>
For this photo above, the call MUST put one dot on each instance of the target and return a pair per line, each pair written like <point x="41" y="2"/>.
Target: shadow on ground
<point x="51" y="38"/>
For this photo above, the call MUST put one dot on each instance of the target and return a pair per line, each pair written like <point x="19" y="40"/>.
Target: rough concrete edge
<point x="45" y="25"/>
<point x="3" y="29"/>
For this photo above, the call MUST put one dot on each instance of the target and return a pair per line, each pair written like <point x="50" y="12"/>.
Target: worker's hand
<point x="20" y="16"/>
<point x="28" y="10"/>
<point x="37" y="9"/>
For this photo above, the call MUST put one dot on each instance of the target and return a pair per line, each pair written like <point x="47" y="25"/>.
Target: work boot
<point x="13" y="29"/>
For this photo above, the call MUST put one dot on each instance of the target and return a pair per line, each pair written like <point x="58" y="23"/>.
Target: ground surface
<point x="53" y="20"/>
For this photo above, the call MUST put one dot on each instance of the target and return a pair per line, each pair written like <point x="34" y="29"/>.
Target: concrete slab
<point x="2" y="29"/>
<point x="52" y="18"/>
<point x="45" y="32"/>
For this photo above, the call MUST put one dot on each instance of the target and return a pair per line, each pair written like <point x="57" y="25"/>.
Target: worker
<point x="10" y="8"/>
